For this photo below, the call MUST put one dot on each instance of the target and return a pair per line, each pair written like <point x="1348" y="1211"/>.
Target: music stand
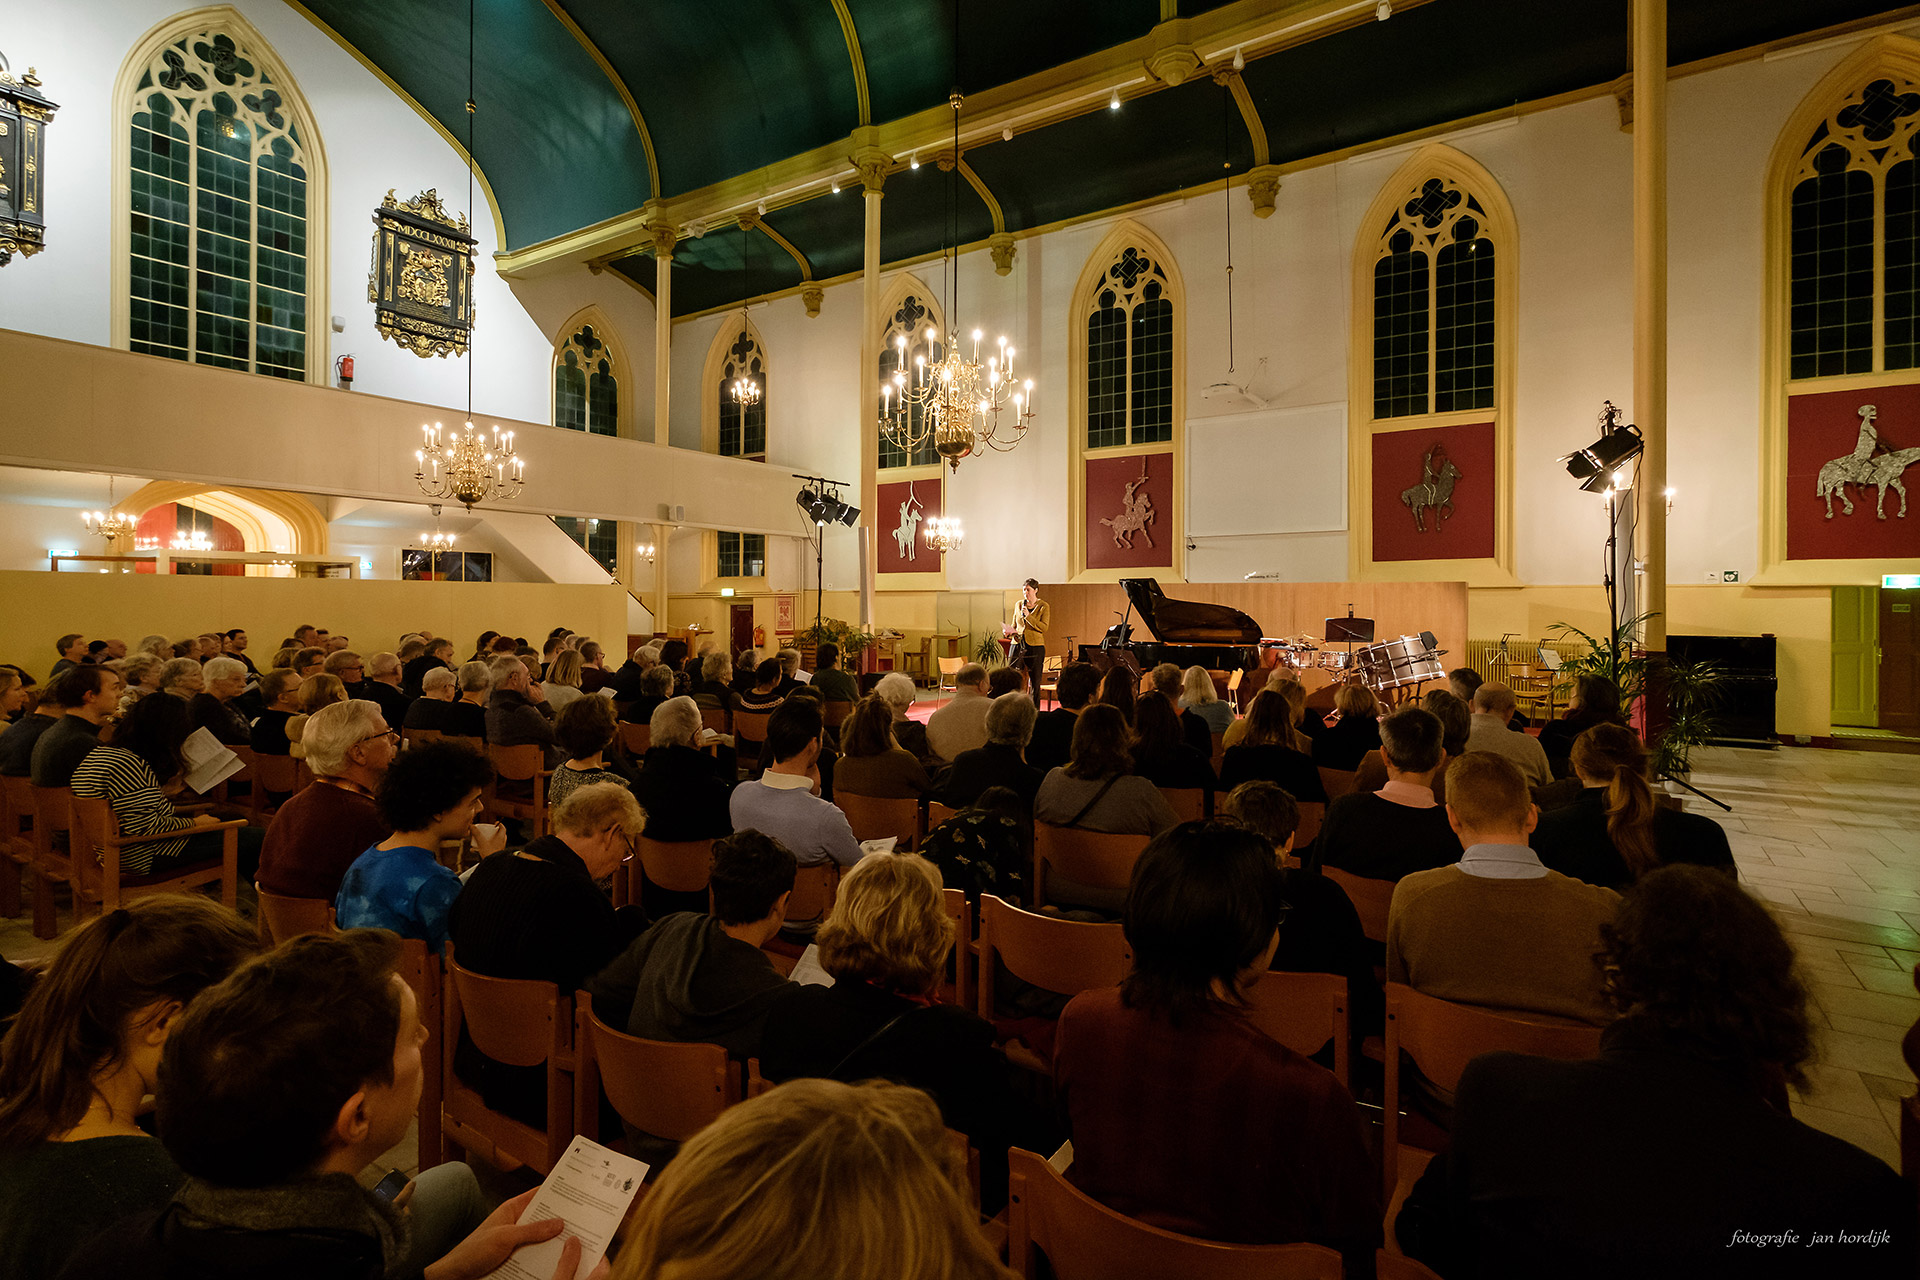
<point x="1351" y="630"/>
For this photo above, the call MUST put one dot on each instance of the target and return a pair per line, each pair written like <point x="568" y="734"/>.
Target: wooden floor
<point x="1831" y="841"/>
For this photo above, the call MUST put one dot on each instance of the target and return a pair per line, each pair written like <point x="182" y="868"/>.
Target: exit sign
<point x="1900" y="581"/>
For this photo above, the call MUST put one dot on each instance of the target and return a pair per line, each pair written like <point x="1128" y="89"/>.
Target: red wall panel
<point x="1825" y="427"/>
<point x="1107" y="481"/>
<point x="1466" y="534"/>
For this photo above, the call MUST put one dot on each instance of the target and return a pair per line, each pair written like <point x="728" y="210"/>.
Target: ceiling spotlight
<point x="836" y="186"/>
<point x="1595" y="465"/>
<point x="1006" y="134"/>
<point x="1113" y="103"/>
<point x="1383" y="10"/>
<point x="914" y="163"/>
<point x="761" y="208"/>
<point x="1239" y="60"/>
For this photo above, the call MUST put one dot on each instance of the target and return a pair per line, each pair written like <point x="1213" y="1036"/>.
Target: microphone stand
<point x="1668" y="777"/>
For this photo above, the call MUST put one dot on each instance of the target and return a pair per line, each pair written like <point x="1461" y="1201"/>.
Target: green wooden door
<point x="1856" y="658"/>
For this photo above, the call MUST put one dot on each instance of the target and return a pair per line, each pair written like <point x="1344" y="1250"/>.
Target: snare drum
<point x="1397" y="664"/>
<point x="1335" y="659"/>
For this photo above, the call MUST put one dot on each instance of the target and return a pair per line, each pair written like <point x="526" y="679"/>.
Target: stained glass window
<point x="1130" y="333"/>
<point x="910" y="320"/>
<point x="742" y="555"/>
<point x="218" y="219"/>
<point x="1433" y="306"/>
<point x="743" y="431"/>
<point x="598" y="538"/>
<point x="586" y="394"/>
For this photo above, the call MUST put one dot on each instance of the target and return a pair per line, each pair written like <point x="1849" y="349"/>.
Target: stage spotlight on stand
<point x="825" y="508"/>
<point x="1594" y="465"/>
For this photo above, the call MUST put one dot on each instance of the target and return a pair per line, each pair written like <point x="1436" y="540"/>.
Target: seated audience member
<point x="1185" y="1116"/>
<point x="310" y="661"/>
<point x="276" y="1089"/>
<point x="315" y="692"/>
<point x="961" y="725"/>
<point x="885" y="944"/>
<point x="1001" y="763"/>
<point x="781" y="801"/>
<point x="1097" y="790"/>
<point x="584" y="729"/>
<point x="756" y="1175"/>
<point x="1320" y="932"/>
<point x="439" y="653"/>
<point x="466" y="716"/>
<point x="699" y="978"/>
<point x="282" y="659"/>
<point x="432" y="710"/>
<point x="987" y="847"/>
<point x="234" y="645"/>
<point x="834" y="684"/>
<point x="13" y="693"/>
<point x="1002" y="680"/>
<point x="562" y="683"/>
<point x="141" y="673"/>
<point x="382" y="687"/>
<point x="349" y="667"/>
<point x="1344" y="743"/>
<point x="594" y="676"/>
<point x="1455" y="722"/>
<point x="73" y="652"/>
<point x="673" y="656"/>
<point x="81" y="1058"/>
<point x="1161" y="753"/>
<point x="215" y="709"/>
<point x="1052" y="742"/>
<point x="1266" y="750"/>
<point x="1293" y="733"/>
<point x="1492" y="708"/>
<point x="131" y="776"/>
<point x="791" y="676"/>
<point x="713" y="691"/>
<point x="1464" y="682"/>
<point x="1194" y="731"/>
<point x="1397" y="830"/>
<point x="1667" y="1150"/>
<point x="1614" y="834"/>
<point x="280" y="698"/>
<point x="1497" y="929"/>
<point x="538" y="913"/>
<point x="656" y="686"/>
<point x="871" y="763"/>
<point x="91" y="696"/>
<point x="683" y="789"/>
<point x="898" y="692"/>
<point x="744" y="666"/>
<point x="23" y="735"/>
<point x="1199" y="698"/>
<point x="1117" y="691"/>
<point x="626" y="681"/>
<point x="155" y="644"/>
<point x="1595" y="700"/>
<point x="429" y="795"/>
<point x="518" y="713"/>
<point x="317" y="834"/>
<point x="183" y="678"/>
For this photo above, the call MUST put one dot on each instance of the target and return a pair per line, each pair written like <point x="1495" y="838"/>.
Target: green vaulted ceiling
<point x="720" y="91"/>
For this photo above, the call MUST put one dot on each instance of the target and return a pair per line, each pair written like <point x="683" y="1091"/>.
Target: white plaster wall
<point x="372" y="141"/>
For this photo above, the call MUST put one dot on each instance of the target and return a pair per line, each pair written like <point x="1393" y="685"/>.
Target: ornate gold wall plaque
<point x="421" y="285"/>
<point x="24" y="110"/>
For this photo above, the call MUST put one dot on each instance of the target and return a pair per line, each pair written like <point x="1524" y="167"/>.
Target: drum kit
<point x="1391" y="668"/>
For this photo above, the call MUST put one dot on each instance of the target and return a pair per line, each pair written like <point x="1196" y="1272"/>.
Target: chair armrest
<point x="183" y="832"/>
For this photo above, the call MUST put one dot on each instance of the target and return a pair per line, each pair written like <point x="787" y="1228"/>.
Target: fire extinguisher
<point x="759" y="636"/>
<point x="344" y="365"/>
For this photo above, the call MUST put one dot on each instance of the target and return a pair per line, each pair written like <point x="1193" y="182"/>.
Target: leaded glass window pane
<point x="1903" y="265"/>
<point x="1830" y="303"/>
<point x="1400" y="330"/>
<point x="219" y="202"/>
<point x="1463" y="322"/>
<point x="1106" y="377"/>
<point x="1153" y="371"/>
<point x="586" y="394"/>
<point x="729" y="556"/>
<point x="910" y="320"/>
<point x="753" y="555"/>
<point x="1130" y="338"/>
<point x="598" y="538"/>
<point x="569" y="393"/>
<point x="603" y="401"/>
<point x="743" y="432"/>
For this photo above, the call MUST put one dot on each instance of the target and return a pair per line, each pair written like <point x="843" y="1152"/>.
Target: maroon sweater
<point x="1213" y="1130"/>
<point x="315" y="837"/>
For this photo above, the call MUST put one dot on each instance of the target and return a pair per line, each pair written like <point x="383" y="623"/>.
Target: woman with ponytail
<point x="1615" y="833"/>
<point x="80" y="1060"/>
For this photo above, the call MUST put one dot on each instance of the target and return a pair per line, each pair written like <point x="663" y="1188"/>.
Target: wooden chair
<point x="1085" y="1240"/>
<point x="714" y="719"/>
<point x="410" y="738"/>
<point x="282" y="775"/>
<point x="937" y="813"/>
<point x="749" y="733"/>
<point x="1337" y="782"/>
<point x="873" y="818"/>
<point x="949" y="668"/>
<point x="814" y="890"/>
<point x="1050" y="670"/>
<point x="671" y="1091"/>
<point x="1371" y="898"/>
<point x="1441" y="1038"/>
<point x="52" y="815"/>
<point x="679" y="866"/>
<point x="97" y="828"/>
<point x="960" y="912"/>
<point x="836" y="714"/>
<point x="523" y="1024"/>
<point x="1062" y="956"/>
<point x="636" y="738"/>
<point x="420" y="969"/>
<point x="282" y="917"/>
<point x="1312" y="815"/>
<point x="917" y="663"/>
<point x="1219" y="756"/>
<point x="1096" y="859"/>
<point x="525" y="765"/>
<point x="1395" y="1266"/>
<point x="16" y="841"/>
<point x="1190" y="803"/>
<point x="1303" y="1011"/>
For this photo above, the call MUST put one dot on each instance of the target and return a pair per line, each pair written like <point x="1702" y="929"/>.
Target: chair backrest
<point x="1304" y="1011"/>
<point x="511" y="1020"/>
<point x="713" y="718"/>
<point x="52" y="814"/>
<point x="669" y="1090"/>
<point x="1062" y="956"/>
<point x="290" y="917"/>
<point x="949" y="666"/>
<point x="1337" y="782"/>
<point x="837" y="712"/>
<point x="682" y="866"/>
<point x="16" y="813"/>
<point x="1085" y="1240"/>
<point x="938" y="813"/>
<point x="636" y="738"/>
<point x="93" y="833"/>
<point x="417" y="737"/>
<point x="278" y="774"/>
<point x="873" y="818"/>
<point x="751" y="726"/>
<point x="1396" y="1266"/>
<point x="1312" y="815"/>
<point x="814" y="889"/>
<point x="420" y="969"/>
<point x="1190" y="803"/>
<point x="1371" y="898"/>
<point x="960" y="912"/>
<point x="1097" y="859"/>
<point x="521" y="763"/>
<point x="1219" y="750"/>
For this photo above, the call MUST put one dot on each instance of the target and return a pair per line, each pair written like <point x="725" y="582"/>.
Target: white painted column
<point x="1650" y="304"/>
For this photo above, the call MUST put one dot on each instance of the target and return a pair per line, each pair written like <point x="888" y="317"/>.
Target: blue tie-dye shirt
<point x="405" y="890"/>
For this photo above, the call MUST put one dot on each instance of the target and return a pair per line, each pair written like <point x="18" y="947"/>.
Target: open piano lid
<point x="1188" y="621"/>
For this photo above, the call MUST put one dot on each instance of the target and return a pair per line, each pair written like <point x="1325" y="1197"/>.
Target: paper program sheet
<point x="590" y="1188"/>
<point x="808" y="971"/>
<point x="208" y="762"/>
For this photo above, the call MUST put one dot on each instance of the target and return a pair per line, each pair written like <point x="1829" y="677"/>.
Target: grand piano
<point x="1186" y="633"/>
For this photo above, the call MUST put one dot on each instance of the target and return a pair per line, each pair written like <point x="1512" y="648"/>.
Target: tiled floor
<point x="1831" y="840"/>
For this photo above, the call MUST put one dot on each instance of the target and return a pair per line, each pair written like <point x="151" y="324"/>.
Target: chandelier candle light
<point x="943" y="533"/>
<point x="943" y="400"/>
<point x="111" y="523"/>
<point x="466" y="468"/>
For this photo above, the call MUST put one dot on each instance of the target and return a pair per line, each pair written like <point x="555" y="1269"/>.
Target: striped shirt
<point x="128" y="785"/>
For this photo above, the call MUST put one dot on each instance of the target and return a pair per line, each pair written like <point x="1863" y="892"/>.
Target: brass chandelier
<point x="943" y="533"/>
<point x="467" y="467"/>
<point x="744" y="390"/>
<point x="955" y="402"/>
<point x="111" y="523"/>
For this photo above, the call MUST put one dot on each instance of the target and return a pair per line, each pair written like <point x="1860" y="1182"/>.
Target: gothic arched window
<point x="586" y="392"/>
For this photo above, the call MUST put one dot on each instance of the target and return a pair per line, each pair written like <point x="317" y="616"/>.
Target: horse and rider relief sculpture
<point x="1435" y="490"/>
<point x="1863" y="468"/>
<point x="910" y="516"/>
<point x="1136" y="513"/>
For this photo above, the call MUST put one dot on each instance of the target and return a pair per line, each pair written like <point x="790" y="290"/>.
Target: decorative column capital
<point x="660" y="231"/>
<point x="873" y="165"/>
<point x="1263" y="188"/>
<point x="1001" y="245"/>
<point x="812" y="296"/>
